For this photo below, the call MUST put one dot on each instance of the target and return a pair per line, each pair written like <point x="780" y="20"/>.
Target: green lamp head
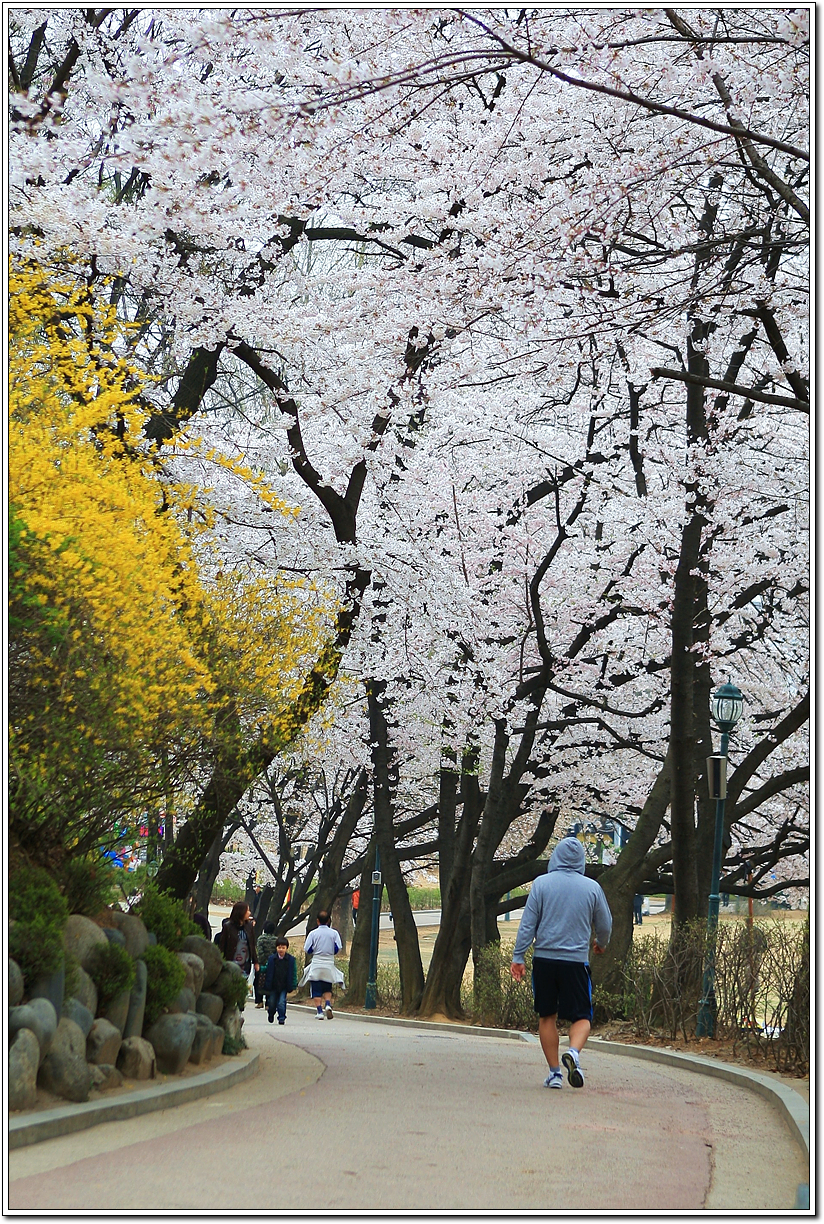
<point x="727" y="706"/>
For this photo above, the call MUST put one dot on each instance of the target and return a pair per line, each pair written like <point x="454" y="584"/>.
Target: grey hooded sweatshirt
<point x="563" y="908"/>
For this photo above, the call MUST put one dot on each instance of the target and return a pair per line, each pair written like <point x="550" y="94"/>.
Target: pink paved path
<point x="416" y="1119"/>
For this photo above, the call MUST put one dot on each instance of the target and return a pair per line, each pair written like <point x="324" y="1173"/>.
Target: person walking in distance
<point x="281" y="977"/>
<point x="266" y="945"/>
<point x="323" y="943"/>
<point x="237" y="939"/>
<point x="561" y="912"/>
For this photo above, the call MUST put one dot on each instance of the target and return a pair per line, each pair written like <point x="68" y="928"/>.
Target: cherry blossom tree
<point x="514" y="305"/>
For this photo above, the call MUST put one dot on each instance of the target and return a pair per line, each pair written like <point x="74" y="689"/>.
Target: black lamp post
<point x="371" y="1000"/>
<point x="726" y="706"/>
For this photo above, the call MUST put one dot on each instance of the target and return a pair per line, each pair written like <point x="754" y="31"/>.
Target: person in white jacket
<point x="323" y="943"/>
<point x="563" y="909"/>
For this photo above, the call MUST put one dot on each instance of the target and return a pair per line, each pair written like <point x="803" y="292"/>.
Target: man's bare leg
<point x="548" y="1037"/>
<point x="579" y="1030"/>
<point x="578" y="1033"/>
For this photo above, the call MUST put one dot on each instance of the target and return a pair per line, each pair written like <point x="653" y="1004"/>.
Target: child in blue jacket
<point x="281" y="977"/>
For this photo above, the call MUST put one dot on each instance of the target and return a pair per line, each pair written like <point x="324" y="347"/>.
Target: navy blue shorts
<point x="562" y="988"/>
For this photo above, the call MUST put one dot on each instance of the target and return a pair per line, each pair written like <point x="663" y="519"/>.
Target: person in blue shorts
<point x="322" y="973"/>
<point x="563" y="909"/>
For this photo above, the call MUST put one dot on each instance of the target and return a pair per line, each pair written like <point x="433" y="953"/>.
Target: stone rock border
<point x="75" y="1037"/>
<point x="67" y="1119"/>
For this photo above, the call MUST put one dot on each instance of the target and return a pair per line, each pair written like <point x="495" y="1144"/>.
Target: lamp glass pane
<point x="727" y="705"/>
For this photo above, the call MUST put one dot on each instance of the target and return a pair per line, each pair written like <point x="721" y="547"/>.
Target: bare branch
<point x="719" y="384"/>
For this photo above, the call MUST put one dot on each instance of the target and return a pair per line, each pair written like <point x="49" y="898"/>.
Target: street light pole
<point x="371" y="1000"/>
<point x="727" y="706"/>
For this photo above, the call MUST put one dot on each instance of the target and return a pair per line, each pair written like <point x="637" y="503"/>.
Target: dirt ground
<point x="657" y="924"/>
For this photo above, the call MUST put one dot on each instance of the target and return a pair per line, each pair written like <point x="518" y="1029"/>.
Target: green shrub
<point x="167" y="917"/>
<point x="166" y="974"/>
<point x="112" y="971"/>
<point x="238" y="992"/>
<point x="233" y="1045"/>
<point x="424" y="898"/>
<point x="761" y="987"/>
<point x="131" y="883"/>
<point x="39" y="914"/>
<point x="608" y="1005"/>
<point x="300" y="960"/>
<point x="88" y="884"/>
<point x="662" y="980"/>
<point x="388" y="986"/>
<point x="226" y="891"/>
<point x="497" y="999"/>
<point x="762" y="983"/>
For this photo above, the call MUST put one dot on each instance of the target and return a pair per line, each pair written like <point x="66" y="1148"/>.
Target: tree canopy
<point x="513" y="303"/>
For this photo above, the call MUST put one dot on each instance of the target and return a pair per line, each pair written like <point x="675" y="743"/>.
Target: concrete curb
<point x="399" y="1022"/>
<point x="67" y="1119"/>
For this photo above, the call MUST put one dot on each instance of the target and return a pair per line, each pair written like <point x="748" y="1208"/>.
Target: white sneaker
<point x="574" y="1073"/>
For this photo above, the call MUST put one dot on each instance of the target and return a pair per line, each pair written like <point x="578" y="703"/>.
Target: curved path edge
<point x="790" y="1104"/>
<point x="66" y="1119"/>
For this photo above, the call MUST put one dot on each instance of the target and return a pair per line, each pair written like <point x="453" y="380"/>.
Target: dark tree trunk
<point x="442" y="992"/>
<point x="406" y="932"/>
<point x="447" y="808"/>
<point x="705" y="833"/>
<point x="690" y="625"/>
<point x="209" y="868"/>
<point x="359" y="954"/>
<point x="261" y="912"/>
<point x="278" y="911"/>
<point x="342" y="919"/>
<point x="487" y="843"/>
<point x="501" y="808"/>
<point x="682" y="741"/>
<point x="330" y="884"/>
<point x="621" y="881"/>
<point x="227" y="786"/>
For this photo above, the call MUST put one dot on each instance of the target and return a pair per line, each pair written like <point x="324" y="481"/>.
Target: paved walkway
<point x="417" y="1119"/>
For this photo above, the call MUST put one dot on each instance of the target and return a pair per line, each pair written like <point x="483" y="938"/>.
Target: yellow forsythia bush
<point x="127" y="643"/>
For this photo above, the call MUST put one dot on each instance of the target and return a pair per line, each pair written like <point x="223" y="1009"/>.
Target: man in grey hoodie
<point x="561" y="912"/>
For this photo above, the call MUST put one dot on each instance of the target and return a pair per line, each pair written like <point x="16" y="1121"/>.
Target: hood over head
<point x="568" y="855"/>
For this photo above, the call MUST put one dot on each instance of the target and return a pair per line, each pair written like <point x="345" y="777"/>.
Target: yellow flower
<point x="132" y="646"/>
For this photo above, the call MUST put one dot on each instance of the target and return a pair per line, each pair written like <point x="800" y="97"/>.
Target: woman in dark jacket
<point x="237" y="939"/>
